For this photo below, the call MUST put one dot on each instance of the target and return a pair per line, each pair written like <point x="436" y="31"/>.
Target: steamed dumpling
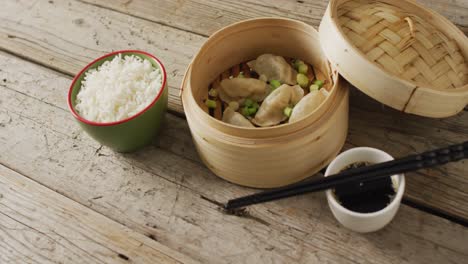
<point x="307" y="105"/>
<point x="296" y="95"/>
<point x="274" y="68"/>
<point x="270" y="112"/>
<point x="234" y="118"/>
<point x="237" y="89"/>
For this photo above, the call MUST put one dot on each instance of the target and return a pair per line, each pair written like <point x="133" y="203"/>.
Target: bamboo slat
<point x="400" y="53"/>
<point x="261" y="157"/>
<point x="404" y="43"/>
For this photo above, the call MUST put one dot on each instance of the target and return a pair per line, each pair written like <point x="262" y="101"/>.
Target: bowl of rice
<point x="120" y="99"/>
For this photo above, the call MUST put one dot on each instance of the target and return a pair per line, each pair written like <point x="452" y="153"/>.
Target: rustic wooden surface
<point x="40" y="224"/>
<point x="162" y="197"/>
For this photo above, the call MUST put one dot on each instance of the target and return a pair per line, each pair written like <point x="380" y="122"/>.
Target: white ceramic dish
<point x="364" y="222"/>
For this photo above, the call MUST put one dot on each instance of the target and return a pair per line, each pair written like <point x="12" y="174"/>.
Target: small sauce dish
<point x="364" y="222"/>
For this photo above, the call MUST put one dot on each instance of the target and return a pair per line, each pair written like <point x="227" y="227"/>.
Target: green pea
<point x="255" y="105"/>
<point x="252" y="110"/>
<point x="275" y="84"/>
<point x="287" y="111"/>
<point x="245" y="111"/>
<point x="303" y="68"/>
<point x="298" y="63"/>
<point x="248" y="102"/>
<point x="314" y="87"/>
<point x="302" y="80"/>
<point x="210" y="103"/>
<point x="319" y="83"/>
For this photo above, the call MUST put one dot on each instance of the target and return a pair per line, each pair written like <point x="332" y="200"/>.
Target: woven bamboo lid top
<point x="403" y="44"/>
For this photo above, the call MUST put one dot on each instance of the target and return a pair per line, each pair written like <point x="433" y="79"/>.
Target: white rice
<point x="118" y="89"/>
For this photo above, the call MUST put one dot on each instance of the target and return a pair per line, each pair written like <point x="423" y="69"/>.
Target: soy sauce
<point x="365" y="197"/>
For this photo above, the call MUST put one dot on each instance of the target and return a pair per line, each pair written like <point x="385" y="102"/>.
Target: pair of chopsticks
<point x="427" y="159"/>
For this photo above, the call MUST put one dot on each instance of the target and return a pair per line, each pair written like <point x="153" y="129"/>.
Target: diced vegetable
<point x="314" y="87"/>
<point x="287" y="111"/>
<point x="319" y="83"/>
<point x="248" y="102"/>
<point x="255" y="105"/>
<point x="303" y="68"/>
<point x="302" y="80"/>
<point x="275" y="84"/>
<point x="248" y="111"/>
<point x="245" y="111"/>
<point x="241" y="75"/>
<point x="298" y="63"/>
<point x="234" y="105"/>
<point x="263" y="77"/>
<point x="213" y="92"/>
<point x="252" y="110"/>
<point x="210" y="103"/>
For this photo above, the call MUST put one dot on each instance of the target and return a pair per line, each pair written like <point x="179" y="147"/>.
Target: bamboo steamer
<point x="273" y="156"/>
<point x="399" y="53"/>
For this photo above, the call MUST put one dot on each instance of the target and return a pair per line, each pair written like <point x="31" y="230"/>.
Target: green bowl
<point x="134" y="132"/>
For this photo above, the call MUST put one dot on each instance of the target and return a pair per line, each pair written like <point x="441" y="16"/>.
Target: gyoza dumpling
<point x="237" y="89"/>
<point x="271" y="112"/>
<point x="274" y="68"/>
<point x="307" y="105"/>
<point x="297" y="94"/>
<point x="234" y="118"/>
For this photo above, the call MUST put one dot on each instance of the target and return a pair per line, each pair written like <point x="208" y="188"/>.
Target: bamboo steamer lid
<point x="399" y="53"/>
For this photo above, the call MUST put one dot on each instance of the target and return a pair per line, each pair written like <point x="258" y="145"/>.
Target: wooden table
<point x="66" y="199"/>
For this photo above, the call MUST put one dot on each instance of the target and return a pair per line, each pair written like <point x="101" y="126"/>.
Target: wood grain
<point x="371" y="124"/>
<point x="39" y="225"/>
<point x="205" y="17"/>
<point x="66" y="35"/>
<point x="158" y="191"/>
<point x="425" y="97"/>
<point x="166" y="194"/>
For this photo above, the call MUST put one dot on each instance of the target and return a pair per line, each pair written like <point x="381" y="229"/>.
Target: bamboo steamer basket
<point x="272" y="156"/>
<point x="399" y="53"/>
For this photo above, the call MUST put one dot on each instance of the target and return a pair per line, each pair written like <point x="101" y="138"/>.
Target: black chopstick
<point x="410" y="163"/>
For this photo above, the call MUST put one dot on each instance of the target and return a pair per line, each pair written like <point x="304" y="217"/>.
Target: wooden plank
<point x="38" y="225"/>
<point x="171" y="197"/>
<point x="67" y="35"/>
<point x="375" y="125"/>
<point x="205" y="17"/>
<point x="398" y="134"/>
